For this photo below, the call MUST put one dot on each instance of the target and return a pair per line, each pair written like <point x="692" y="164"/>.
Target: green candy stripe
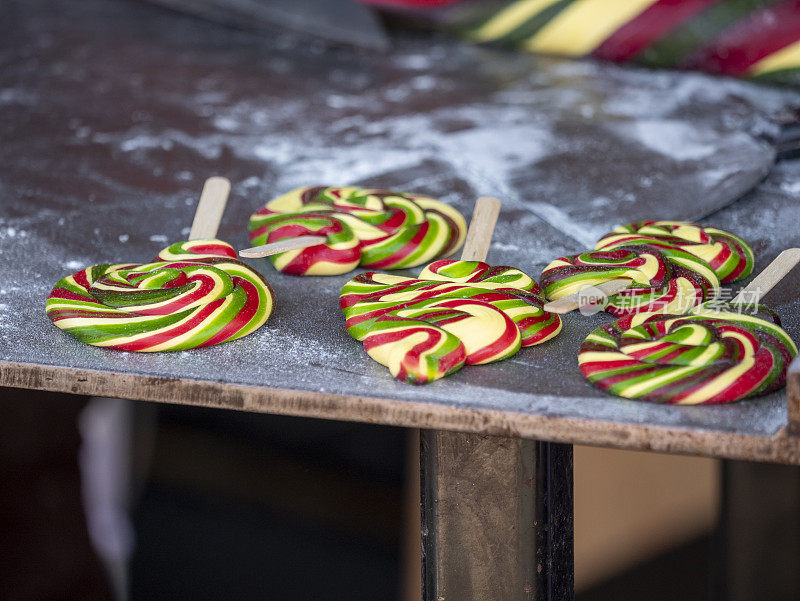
<point x="419" y="367"/>
<point x="683" y="41"/>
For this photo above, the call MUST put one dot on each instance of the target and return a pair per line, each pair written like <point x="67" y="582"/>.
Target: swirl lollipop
<point x="195" y="293"/>
<point x="455" y="313"/>
<point x="729" y="256"/>
<point x="652" y="277"/>
<point x="328" y="231"/>
<point x="717" y="353"/>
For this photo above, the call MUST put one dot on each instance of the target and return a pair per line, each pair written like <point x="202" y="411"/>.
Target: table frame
<point x="496" y="503"/>
<point x="782" y="447"/>
<point x="497" y="518"/>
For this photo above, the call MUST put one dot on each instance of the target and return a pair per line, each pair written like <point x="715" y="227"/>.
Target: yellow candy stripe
<point x="584" y="25"/>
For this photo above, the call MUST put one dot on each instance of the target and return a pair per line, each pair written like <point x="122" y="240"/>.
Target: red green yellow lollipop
<point x="377" y="229"/>
<point x="196" y="293"/>
<point x="456" y="313"/>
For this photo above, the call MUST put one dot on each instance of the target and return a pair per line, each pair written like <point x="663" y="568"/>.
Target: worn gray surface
<point x="112" y="114"/>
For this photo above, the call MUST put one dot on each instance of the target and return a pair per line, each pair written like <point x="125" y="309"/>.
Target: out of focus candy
<point x="372" y="228"/>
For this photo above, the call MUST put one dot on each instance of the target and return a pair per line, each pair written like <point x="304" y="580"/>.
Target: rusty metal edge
<point x="793" y="398"/>
<point x="780" y="448"/>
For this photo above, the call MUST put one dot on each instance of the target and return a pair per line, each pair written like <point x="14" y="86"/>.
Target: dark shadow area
<point x="251" y="506"/>
<point x="227" y="505"/>
<point x="46" y="553"/>
<point x="193" y="547"/>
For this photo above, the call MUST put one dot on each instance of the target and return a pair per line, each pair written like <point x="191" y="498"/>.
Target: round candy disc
<point x="666" y="279"/>
<point x="728" y="255"/>
<point x="194" y="294"/>
<point x="455" y="313"/>
<point x="378" y="229"/>
<point x="714" y="354"/>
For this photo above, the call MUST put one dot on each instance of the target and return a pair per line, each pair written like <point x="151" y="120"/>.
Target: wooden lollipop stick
<point x="772" y="274"/>
<point x="588" y="296"/>
<point x="273" y="248"/>
<point x="209" y="211"/>
<point x="481" y="228"/>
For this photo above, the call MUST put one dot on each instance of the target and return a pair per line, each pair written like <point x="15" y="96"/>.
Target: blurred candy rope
<point x="755" y="39"/>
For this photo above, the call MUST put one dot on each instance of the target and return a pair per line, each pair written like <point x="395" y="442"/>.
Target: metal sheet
<point x="340" y="21"/>
<point x="111" y="119"/>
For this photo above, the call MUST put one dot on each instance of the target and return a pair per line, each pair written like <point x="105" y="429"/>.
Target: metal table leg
<point x="497" y="518"/>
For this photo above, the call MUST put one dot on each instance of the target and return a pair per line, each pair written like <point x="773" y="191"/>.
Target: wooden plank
<point x="779" y="448"/>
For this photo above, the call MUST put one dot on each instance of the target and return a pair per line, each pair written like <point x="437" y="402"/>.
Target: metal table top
<point x="113" y="113"/>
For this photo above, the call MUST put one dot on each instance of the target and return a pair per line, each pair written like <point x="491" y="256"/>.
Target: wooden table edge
<point x="778" y="448"/>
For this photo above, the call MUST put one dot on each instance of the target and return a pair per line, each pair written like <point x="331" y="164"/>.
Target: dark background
<point x="238" y="506"/>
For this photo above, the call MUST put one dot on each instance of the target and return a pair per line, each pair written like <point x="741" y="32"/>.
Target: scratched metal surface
<point x="112" y="114"/>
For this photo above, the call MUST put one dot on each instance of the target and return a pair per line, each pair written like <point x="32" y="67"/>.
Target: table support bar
<point x="496" y="518"/>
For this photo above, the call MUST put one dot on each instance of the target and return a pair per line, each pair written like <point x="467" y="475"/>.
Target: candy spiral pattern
<point x="194" y="294"/>
<point x="455" y="313"/>
<point x="665" y="278"/>
<point x="715" y="354"/>
<point x="372" y="228"/>
<point x="730" y="257"/>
